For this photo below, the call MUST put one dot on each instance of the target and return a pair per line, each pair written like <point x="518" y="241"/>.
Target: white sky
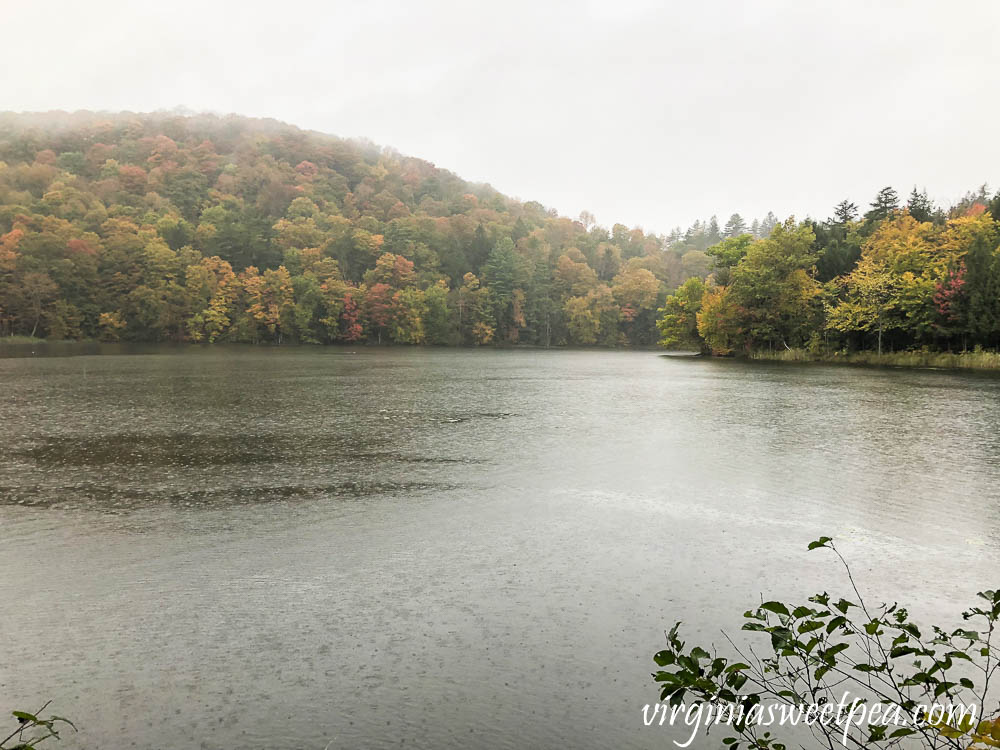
<point x="645" y="113"/>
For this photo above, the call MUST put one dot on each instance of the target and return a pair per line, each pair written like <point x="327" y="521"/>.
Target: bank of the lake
<point x="974" y="360"/>
<point x="968" y="360"/>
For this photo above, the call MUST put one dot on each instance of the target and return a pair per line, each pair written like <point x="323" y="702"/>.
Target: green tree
<point x="734" y="227"/>
<point x="844" y="212"/>
<point x="982" y="263"/>
<point x="919" y="206"/>
<point x="886" y="203"/>
<point x="502" y="274"/>
<point x="712" y="234"/>
<point x="727" y="255"/>
<point x="678" y="322"/>
<point x="438" y="326"/>
<point x="774" y="288"/>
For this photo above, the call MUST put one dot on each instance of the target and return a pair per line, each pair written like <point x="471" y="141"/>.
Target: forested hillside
<point x="168" y="228"/>
<point x="206" y="229"/>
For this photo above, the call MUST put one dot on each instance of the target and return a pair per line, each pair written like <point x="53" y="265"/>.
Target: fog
<point x="651" y="114"/>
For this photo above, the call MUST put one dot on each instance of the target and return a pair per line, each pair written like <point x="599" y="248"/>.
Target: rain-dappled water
<point x="311" y="548"/>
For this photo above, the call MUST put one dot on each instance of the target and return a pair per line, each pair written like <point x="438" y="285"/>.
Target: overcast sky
<point x="645" y="113"/>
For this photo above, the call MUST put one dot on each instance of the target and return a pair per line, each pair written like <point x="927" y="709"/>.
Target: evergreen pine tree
<point x="920" y="206"/>
<point x="713" y="236"/>
<point x="735" y="226"/>
<point x="767" y="224"/>
<point x="844" y="212"/>
<point x="885" y="204"/>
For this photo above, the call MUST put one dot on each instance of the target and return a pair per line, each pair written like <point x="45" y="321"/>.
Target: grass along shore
<point x="974" y="360"/>
<point x="21" y="340"/>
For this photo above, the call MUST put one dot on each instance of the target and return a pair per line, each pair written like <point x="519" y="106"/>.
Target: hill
<point x="159" y="227"/>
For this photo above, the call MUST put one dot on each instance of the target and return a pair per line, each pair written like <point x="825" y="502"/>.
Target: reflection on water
<point x="313" y="547"/>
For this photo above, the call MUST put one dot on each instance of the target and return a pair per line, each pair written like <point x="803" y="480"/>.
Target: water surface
<point x="311" y="548"/>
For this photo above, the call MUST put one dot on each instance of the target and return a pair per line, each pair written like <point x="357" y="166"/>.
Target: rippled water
<point x="312" y="548"/>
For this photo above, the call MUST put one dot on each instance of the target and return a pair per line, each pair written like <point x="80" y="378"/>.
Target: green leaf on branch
<point x="777" y="607"/>
<point x="835" y="623"/>
<point x="664" y="658"/>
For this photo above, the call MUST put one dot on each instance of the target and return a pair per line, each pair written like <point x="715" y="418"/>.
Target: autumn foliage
<point x="206" y="229"/>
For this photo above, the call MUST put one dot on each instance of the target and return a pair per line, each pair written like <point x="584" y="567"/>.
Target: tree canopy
<point x="911" y="276"/>
<point x="161" y="227"/>
<point x="208" y="229"/>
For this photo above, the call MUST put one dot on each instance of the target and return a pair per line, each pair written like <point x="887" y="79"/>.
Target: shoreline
<point x="10" y="344"/>
<point x="956" y="361"/>
<point x="974" y="360"/>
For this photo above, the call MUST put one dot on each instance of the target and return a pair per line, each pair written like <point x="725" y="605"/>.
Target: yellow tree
<point x="269" y="302"/>
<point x="593" y="318"/>
<point x="475" y="315"/>
<point x="582" y="322"/>
<point x="8" y="262"/>
<point x="409" y="310"/>
<point x="254" y="309"/>
<point x="870" y="299"/>
<point x="212" y="287"/>
<point x="636" y="291"/>
<point x="572" y="275"/>
<point x="719" y="321"/>
<point x="893" y="285"/>
<point x="279" y="302"/>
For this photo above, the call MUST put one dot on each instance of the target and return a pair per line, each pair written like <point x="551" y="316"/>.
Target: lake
<point x="325" y="548"/>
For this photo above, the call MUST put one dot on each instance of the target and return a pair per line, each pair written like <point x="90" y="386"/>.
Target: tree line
<point x="899" y="277"/>
<point x="159" y="227"/>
